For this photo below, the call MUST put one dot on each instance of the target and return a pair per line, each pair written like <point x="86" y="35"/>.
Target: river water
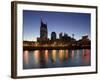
<point x="56" y="58"/>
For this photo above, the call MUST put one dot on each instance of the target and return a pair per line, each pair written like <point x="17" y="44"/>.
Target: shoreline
<point x="30" y="48"/>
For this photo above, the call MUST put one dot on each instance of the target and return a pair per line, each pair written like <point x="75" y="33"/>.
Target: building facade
<point x="53" y="36"/>
<point x="43" y="30"/>
<point x="43" y="33"/>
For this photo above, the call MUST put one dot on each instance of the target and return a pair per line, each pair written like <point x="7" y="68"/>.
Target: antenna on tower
<point x="41" y="20"/>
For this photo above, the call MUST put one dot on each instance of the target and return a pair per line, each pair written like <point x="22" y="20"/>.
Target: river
<point x="56" y="58"/>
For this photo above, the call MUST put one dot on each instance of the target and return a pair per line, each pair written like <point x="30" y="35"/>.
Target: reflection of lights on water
<point x="26" y="57"/>
<point x="87" y="51"/>
<point x="72" y="55"/>
<point x="67" y="54"/>
<point x="54" y="55"/>
<point x="36" y="55"/>
<point x="86" y="56"/>
<point x="77" y="54"/>
<point x="42" y="58"/>
<point x="46" y="56"/>
<point x="83" y="52"/>
<point x="61" y="54"/>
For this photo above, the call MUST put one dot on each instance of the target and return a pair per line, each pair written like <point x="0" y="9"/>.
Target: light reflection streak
<point x="36" y="55"/>
<point x="86" y="56"/>
<point x="46" y="56"/>
<point x="26" y="57"/>
<point x="54" y="56"/>
<point x="72" y="55"/>
<point x="77" y="54"/>
<point x="66" y="54"/>
<point x="61" y="55"/>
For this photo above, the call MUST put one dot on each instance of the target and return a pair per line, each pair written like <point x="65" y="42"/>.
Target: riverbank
<point x="30" y="48"/>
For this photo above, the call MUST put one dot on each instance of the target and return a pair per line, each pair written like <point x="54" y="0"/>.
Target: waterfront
<point x="56" y="58"/>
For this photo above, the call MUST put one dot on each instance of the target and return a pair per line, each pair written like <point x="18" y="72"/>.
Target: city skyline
<point x="66" y="22"/>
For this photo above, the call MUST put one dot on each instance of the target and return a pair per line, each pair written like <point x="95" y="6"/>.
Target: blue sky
<point x="66" y="22"/>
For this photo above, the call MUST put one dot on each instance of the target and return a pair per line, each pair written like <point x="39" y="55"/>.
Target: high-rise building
<point x="60" y="35"/>
<point x="43" y="33"/>
<point x="43" y="30"/>
<point x="65" y="35"/>
<point x="53" y="36"/>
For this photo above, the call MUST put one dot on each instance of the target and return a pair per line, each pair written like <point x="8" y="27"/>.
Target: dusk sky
<point x="66" y="22"/>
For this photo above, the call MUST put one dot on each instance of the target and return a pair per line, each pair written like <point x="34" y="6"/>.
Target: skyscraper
<point x="43" y="33"/>
<point x="43" y="30"/>
<point x="53" y="36"/>
<point x="60" y="35"/>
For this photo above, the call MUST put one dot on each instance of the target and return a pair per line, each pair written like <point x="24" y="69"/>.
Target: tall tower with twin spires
<point x="43" y="30"/>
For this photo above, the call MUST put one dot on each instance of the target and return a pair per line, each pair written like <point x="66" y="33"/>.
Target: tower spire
<point x="41" y="21"/>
